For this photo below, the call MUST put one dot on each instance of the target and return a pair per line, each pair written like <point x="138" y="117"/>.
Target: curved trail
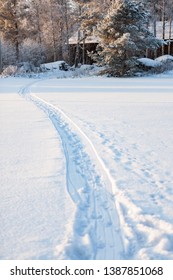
<point x="142" y="230"/>
<point x="110" y="223"/>
<point x="97" y="229"/>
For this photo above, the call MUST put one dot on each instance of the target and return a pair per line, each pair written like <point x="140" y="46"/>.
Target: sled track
<point x="97" y="230"/>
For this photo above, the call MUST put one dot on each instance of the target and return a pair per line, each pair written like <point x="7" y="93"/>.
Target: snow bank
<point x="164" y="58"/>
<point x="52" y="65"/>
<point x="149" y="62"/>
<point x="51" y="70"/>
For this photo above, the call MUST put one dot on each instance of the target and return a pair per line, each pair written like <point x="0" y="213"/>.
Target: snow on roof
<point x="52" y="65"/>
<point x="149" y="62"/>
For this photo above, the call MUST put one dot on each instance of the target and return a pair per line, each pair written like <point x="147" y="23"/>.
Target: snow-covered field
<point x="86" y="168"/>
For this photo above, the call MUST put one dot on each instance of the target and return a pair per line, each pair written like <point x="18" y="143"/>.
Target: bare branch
<point x="3" y="16"/>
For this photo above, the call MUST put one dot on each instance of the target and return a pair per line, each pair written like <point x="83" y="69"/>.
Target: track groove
<point x="96" y="226"/>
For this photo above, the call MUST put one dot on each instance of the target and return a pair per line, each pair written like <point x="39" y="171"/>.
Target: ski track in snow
<point x="97" y="228"/>
<point x="145" y="234"/>
<point x="109" y="224"/>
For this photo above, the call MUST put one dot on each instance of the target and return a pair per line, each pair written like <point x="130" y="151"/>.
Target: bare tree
<point x="0" y="54"/>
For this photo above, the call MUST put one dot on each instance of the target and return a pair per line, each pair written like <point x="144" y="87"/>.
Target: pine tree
<point x="124" y="37"/>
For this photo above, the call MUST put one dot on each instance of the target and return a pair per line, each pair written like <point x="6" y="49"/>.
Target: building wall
<point x="165" y="49"/>
<point x="87" y="48"/>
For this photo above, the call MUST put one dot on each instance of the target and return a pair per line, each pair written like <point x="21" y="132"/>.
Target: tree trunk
<point x="39" y="29"/>
<point x="83" y="49"/>
<point x="155" y="25"/>
<point x="17" y="41"/>
<point x="170" y="31"/>
<point x="77" y="50"/>
<point x="60" y="49"/>
<point x="0" y="55"/>
<point x="163" y="24"/>
<point x="146" y="53"/>
<point x="53" y="32"/>
<point x="67" y="31"/>
<point x="154" y="19"/>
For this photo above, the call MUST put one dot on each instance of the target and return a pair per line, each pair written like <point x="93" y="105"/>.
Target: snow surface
<point x="34" y="202"/>
<point x="149" y="62"/>
<point x="86" y="168"/>
<point x="164" y="58"/>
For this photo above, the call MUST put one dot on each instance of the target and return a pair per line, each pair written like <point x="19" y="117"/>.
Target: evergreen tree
<point x="124" y="37"/>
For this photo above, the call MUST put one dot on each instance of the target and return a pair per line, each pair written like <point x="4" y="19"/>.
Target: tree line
<point x="35" y="31"/>
<point x="38" y="31"/>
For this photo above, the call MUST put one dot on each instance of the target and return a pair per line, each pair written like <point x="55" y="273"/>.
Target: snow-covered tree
<point x="30" y="52"/>
<point x="94" y="12"/>
<point x="88" y="13"/>
<point x="55" y="26"/>
<point x="124" y="37"/>
<point x="8" y="53"/>
<point x="12" y="17"/>
<point x="45" y="22"/>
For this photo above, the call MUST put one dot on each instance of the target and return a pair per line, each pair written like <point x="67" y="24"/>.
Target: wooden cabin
<point x="80" y="44"/>
<point x="165" y="33"/>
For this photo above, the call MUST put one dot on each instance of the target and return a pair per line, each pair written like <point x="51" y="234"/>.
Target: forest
<point x="39" y="31"/>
